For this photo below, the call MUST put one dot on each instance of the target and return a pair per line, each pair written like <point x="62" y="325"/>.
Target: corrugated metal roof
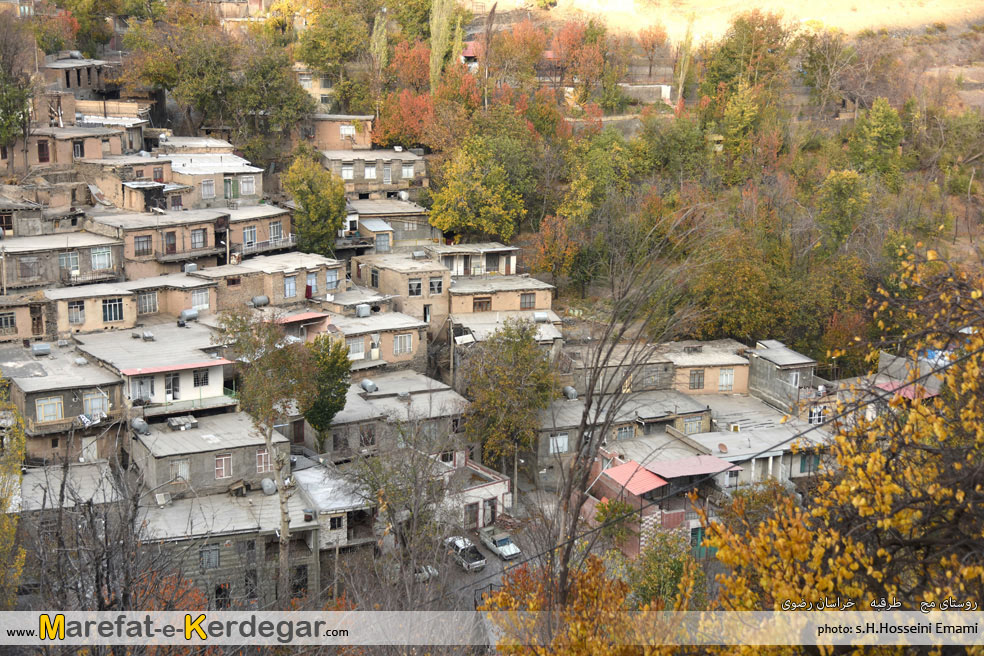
<point x="635" y="478"/>
<point x="375" y="225"/>
<point x="695" y="466"/>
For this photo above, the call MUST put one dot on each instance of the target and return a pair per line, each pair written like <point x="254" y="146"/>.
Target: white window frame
<point x="794" y="379"/>
<point x="276" y="231"/>
<point x="348" y="171"/>
<point x="402" y="343"/>
<point x="249" y="236"/>
<point x="359" y="344"/>
<point x="415" y="284"/>
<point x="102" y="258"/>
<point x="112" y="309"/>
<point x="306" y="80"/>
<point x="331" y="279"/>
<point x="726" y="380"/>
<point x="624" y="433"/>
<point x="54" y="404"/>
<point x="387" y="174"/>
<point x="436" y="286"/>
<point x="346" y="130"/>
<point x="264" y="463"/>
<point x="208" y="189"/>
<point x="818" y="415"/>
<point x="197" y="233"/>
<point x="556" y="439"/>
<point x="180" y="469"/>
<point x="407" y="171"/>
<point x="223" y="466"/>
<point x="247" y="185"/>
<point x="290" y="285"/>
<point x="76" y="312"/>
<point x="690" y="422"/>
<point x="200" y="299"/>
<point x="147" y="302"/>
<point x="369" y="172"/>
<point x="93" y="402"/>
<point x="312" y="282"/>
<point x="68" y="261"/>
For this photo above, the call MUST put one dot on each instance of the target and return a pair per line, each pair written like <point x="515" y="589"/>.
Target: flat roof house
<point x="476" y="259"/>
<point x="217" y="180"/>
<point x="374" y="174"/>
<point x="389" y="340"/>
<point x="419" y="287"/>
<point x="715" y="367"/>
<point x="61" y="259"/>
<point x="499" y="294"/>
<point x="256" y="229"/>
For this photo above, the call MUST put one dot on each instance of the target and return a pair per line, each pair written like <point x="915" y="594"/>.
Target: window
<point x="347" y="171"/>
<point x="312" y="282"/>
<point x="692" y="425"/>
<point x="374" y="278"/>
<point x="346" y="130"/>
<point x="335" y="523"/>
<point x="407" y="172"/>
<point x="78" y="149"/>
<point x="208" y="556"/>
<point x="356" y="347"/>
<point x="250" y="585"/>
<point x="208" y="188"/>
<point x="370" y="171"/>
<point x="624" y="433"/>
<point x="299" y="581"/>
<point x="290" y="286"/>
<point x="68" y="261"/>
<point x="142" y="387"/>
<point x="8" y="323"/>
<point x="482" y="304"/>
<point x="233" y="282"/>
<point x="175" y="202"/>
<point x="49" y="409"/>
<point x="180" y="470"/>
<point x="436" y="286"/>
<point x="200" y="377"/>
<point x="447" y="457"/>
<point x="147" y="303"/>
<point x="222" y="596"/>
<point x="809" y="463"/>
<point x="402" y="344"/>
<point x="387" y="174"/>
<point x="43" y="155"/>
<point x="76" y="312"/>
<point x="325" y="99"/>
<point x="170" y="242"/>
<point x="325" y="84"/>
<point x="794" y="378"/>
<point x="732" y="478"/>
<point x="339" y="442"/>
<point x="6" y="223"/>
<point x="427" y="314"/>
<point x="102" y="258"/>
<point x="247" y="551"/>
<point x="199" y="299"/>
<point x="263" y="464"/>
<point x="276" y="231"/>
<point x="305" y="80"/>
<point x="247" y="185"/>
<point x="158" y="174"/>
<point x="414" y="288"/>
<point x="143" y="245"/>
<point x="818" y="415"/>
<point x="558" y="443"/>
<point x="367" y="435"/>
<point x="726" y="380"/>
<point x="112" y="310"/>
<point x="199" y="238"/>
<point x="223" y="465"/>
<point x="106" y="148"/>
<point x="28" y="268"/>
<point x="249" y="236"/>
<point x="696" y="379"/>
<point x="95" y="404"/>
<point x="138" y="173"/>
<point x="527" y="301"/>
<point x="331" y="279"/>
<point x="230" y="187"/>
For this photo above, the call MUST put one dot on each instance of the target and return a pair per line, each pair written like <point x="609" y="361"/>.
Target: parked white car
<point x="499" y="542"/>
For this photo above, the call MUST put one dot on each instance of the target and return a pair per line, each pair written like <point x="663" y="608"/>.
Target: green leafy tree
<point x="828" y="59"/>
<point x="598" y="166"/>
<point x="320" y="199"/>
<point x="753" y="52"/>
<point x="874" y="145"/>
<point x="331" y="378"/>
<point x="335" y="37"/>
<point x="843" y="200"/>
<point x="509" y="381"/>
<point x="413" y="17"/>
<point x="666" y="571"/>
<point x="614" y="516"/>
<point x="16" y="60"/>
<point x="441" y="16"/>
<point x="12" y="556"/>
<point x="477" y="198"/>
<point x="674" y="148"/>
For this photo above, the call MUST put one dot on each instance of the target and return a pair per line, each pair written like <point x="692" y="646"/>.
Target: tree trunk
<point x="283" y="576"/>
<point x="515" y="478"/>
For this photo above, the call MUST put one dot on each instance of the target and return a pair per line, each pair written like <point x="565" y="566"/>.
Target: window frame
<point x="398" y="348"/>
<point x="112" y="310"/>
<point x="142" y="304"/>
<point x="481" y="303"/>
<point x="438" y="289"/>
<point x="689" y="422"/>
<point x="311" y="282"/>
<point x="199" y="377"/>
<point x="199" y="234"/>
<point x="8" y="322"/>
<point x="348" y="171"/>
<point x="264" y="463"/>
<point x="290" y="283"/>
<point x="415" y="287"/>
<point x="252" y="230"/>
<point x="56" y="401"/>
<point x="404" y="169"/>
<point x="554" y="442"/>
<point x="527" y="301"/>
<point x="76" y="313"/>
<point x="87" y="405"/>
<point x="139" y="250"/>
<point x="97" y="253"/>
<point x="369" y="171"/>
<point x="223" y="464"/>
<point x="278" y="234"/>
<point x="247" y="182"/>
<point x="208" y="185"/>
<point x="68" y="257"/>
<point x="696" y="379"/>
<point x="361" y="341"/>
<point x="207" y="554"/>
<point x="197" y="303"/>
<point x="726" y="374"/>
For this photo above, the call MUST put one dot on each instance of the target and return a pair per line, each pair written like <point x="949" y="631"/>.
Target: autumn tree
<point x="666" y="567"/>
<point x="331" y="378"/>
<point x="651" y="40"/>
<point x="615" y="516"/>
<point x="673" y="148"/>
<point x="509" y="380"/>
<point x="843" y="201"/>
<point x="754" y="51"/>
<point x="276" y="377"/>
<point x="827" y="59"/>
<point x="554" y="248"/>
<point x="874" y="144"/>
<point x="413" y="17"/>
<point x="320" y="199"/>
<point x="335" y="37"/>
<point x="404" y="119"/>
<point x="410" y="66"/>
<point x="515" y="54"/>
<point x="441" y="38"/>
<point x="12" y="554"/>
<point x="54" y="28"/>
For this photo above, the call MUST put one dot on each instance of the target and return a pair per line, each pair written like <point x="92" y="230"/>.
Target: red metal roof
<point x="635" y="478"/>
<point x="173" y="367"/>
<point x="302" y="316"/>
<point x="906" y="390"/>
<point x="694" y="466"/>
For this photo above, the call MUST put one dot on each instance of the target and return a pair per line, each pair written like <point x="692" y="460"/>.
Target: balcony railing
<point x="67" y="423"/>
<point x="268" y="245"/>
<point x="190" y="254"/>
<point x="84" y="277"/>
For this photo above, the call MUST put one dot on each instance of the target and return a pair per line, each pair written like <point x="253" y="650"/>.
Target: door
<point x="471" y="515"/>
<point x="37" y="320"/>
<point x="90" y="452"/>
<point x="170" y="242"/>
<point x="172" y="387"/>
<point x="492" y="263"/>
<point x="231" y="187"/>
<point x="489" y="512"/>
<point x="298" y="429"/>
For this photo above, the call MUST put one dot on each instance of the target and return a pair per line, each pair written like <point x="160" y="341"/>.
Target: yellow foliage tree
<point x="11" y="458"/>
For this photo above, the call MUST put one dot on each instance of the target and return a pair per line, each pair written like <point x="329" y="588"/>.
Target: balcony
<point x="193" y="254"/>
<point x="188" y="405"/>
<point x="76" y="277"/>
<point x="288" y="241"/>
<point x="35" y="427"/>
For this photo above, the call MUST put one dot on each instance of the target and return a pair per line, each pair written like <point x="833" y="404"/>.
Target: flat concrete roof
<point x="287" y="262"/>
<point x="178" y="143"/>
<point x="469" y="249"/>
<point x="483" y="324"/>
<point x="748" y="412"/>
<point x="342" y="117"/>
<point x="216" y="515"/>
<point x="428" y="398"/>
<point x="651" y="405"/>
<point x="378" y="322"/>
<point x="173" y="348"/>
<point x="492" y="284"/>
<point x="208" y="163"/>
<point x="760" y="442"/>
<point x="120" y="121"/>
<point x="62" y="241"/>
<point x="402" y="263"/>
<point x="87" y="291"/>
<point x="375" y="225"/>
<point x="385" y="206"/>
<point x="695" y="353"/>
<point x="69" y="62"/>
<point x="651" y="448"/>
<point x="40" y="487"/>
<point x="125" y="160"/>
<point x="150" y="220"/>
<point x="330" y="491"/>
<point x="253" y="212"/>
<point x="356" y="296"/>
<point x="230" y="430"/>
<point x="370" y="155"/>
<point x="76" y="132"/>
<point x="224" y="271"/>
<point x="56" y="371"/>
<point x="173" y="280"/>
<point x="779" y="354"/>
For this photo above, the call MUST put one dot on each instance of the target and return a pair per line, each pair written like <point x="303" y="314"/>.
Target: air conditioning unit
<point x="162" y="498"/>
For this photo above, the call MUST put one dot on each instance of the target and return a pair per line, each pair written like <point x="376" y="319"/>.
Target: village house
<point x="375" y="174"/>
<point x="346" y="518"/>
<point x="20" y="219"/>
<point x="166" y="369"/>
<point x="25" y="317"/>
<point x="92" y="308"/>
<point x="65" y="401"/>
<point x="334" y="131"/>
<point x="258" y="229"/>
<point x="235" y="286"/>
<point x="782" y="377"/>
<point x="61" y="147"/>
<point x="419" y="286"/>
<point x="499" y="294"/>
<point x="713" y="367"/>
<point x="392" y="224"/>
<point x="347" y="302"/>
<point x="84" y="78"/>
<point x="474" y="494"/>
<point x="388" y="340"/>
<point x="293" y="277"/>
<point x="626" y="367"/>
<point x="69" y="258"/>
<point x="162" y="242"/>
<point x="136" y="183"/>
<point x="173" y="294"/>
<point x="475" y="259"/>
<point x="217" y="180"/>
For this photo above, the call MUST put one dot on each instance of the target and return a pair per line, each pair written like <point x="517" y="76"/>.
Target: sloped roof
<point x="693" y="466"/>
<point x="635" y="478"/>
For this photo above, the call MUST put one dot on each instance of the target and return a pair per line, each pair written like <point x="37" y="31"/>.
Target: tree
<point x="15" y="85"/>
<point x="509" y="381"/>
<point x="553" y="248"/>
<point x="874" y="145"/>
<point x="753" y="52"/>
<point x="441" y="13"/>
<point x="827" y="60"/>
<point x="320" y="198"/>
<point x="651" y="40"/>
<point x="477" y="198"/>
<point x="403" y="119"/>
<point x="331" y="379"/>
<point x="12" y="554"/>
<point x="411" y="66"/>
<point x="613" y="515"/>
<point x="515" y="54"/>
<point x="842" y="204"/>
<point x="673" y="148"/>
<point x="666" y="571"/>
<point x="54" y="28"/>
<point x="334" y="38"/>
<point x="276" y="376"/>
<point x="413" y="17"/>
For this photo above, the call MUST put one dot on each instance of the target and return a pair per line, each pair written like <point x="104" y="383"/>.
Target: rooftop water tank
<point x="188" y="315"/>
<point x="362" y="310"/>
<point x="140" y="426"/>
<point x="570" y="393"/>
<point x="190" y="267"/>
<point x="269" y="487"/>
<point x="368" y="385"/>
<point x="40" y="349"/>
<point x="540" y="317"/>
<point x="260" y="301"/>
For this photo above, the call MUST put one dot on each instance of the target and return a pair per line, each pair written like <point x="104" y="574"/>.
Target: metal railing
<point x="188" y="254"/>
<point x="66" y="423"/>
<point x="269" y="245"/>
<point x="81" y="278"/>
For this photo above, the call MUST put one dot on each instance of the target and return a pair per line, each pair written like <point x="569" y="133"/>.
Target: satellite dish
<point x="722" y="447"/>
